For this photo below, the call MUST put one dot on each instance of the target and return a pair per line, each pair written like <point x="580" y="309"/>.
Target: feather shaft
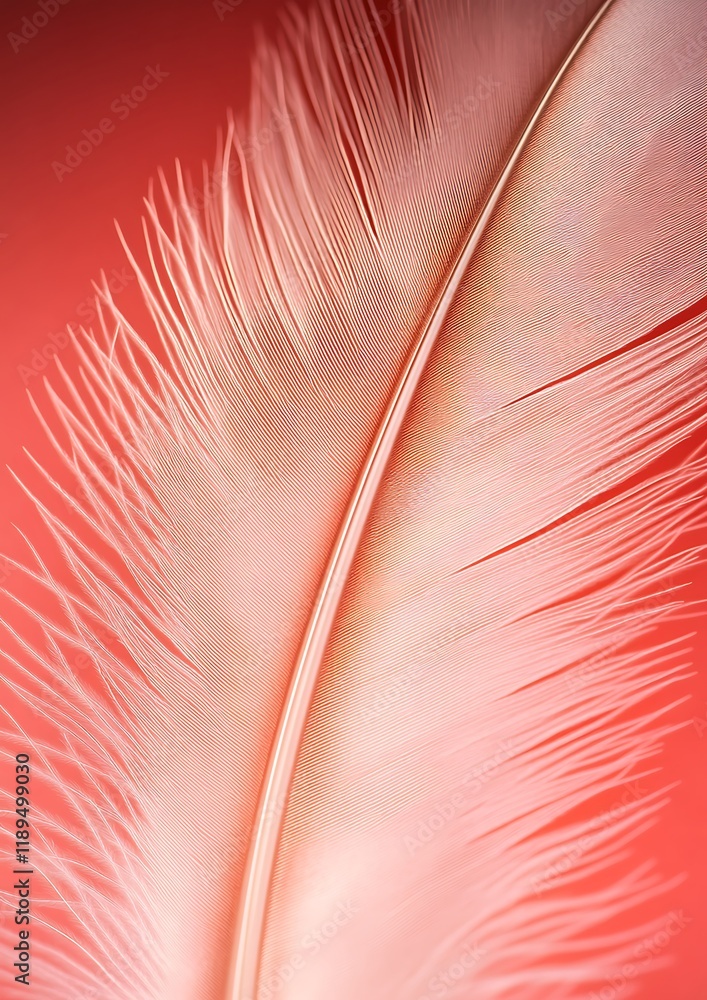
<point x="278" y="778"/>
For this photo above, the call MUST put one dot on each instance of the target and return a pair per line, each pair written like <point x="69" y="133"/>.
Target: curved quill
<point x="341" y="475"/>
<point x="280" y="768"/>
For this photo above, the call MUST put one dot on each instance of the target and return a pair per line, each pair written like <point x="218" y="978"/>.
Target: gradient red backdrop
<point x="57" y="233"/>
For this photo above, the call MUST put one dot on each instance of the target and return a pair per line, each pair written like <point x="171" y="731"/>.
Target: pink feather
<point x="366" y="545"/>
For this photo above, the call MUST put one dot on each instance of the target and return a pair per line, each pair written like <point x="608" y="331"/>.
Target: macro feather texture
<point x="421" y="441"/>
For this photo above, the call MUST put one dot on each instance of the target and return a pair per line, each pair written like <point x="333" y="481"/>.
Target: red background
<point x="55" y="236"/>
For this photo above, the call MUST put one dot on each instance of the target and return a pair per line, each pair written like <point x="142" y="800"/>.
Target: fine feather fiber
<point x="364" y="551"/>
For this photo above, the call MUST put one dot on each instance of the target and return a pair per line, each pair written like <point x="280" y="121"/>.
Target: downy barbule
<point x="375" y="535"/>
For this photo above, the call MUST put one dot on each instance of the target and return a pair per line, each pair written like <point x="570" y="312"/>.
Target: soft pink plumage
<point x="410" y="460"/>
